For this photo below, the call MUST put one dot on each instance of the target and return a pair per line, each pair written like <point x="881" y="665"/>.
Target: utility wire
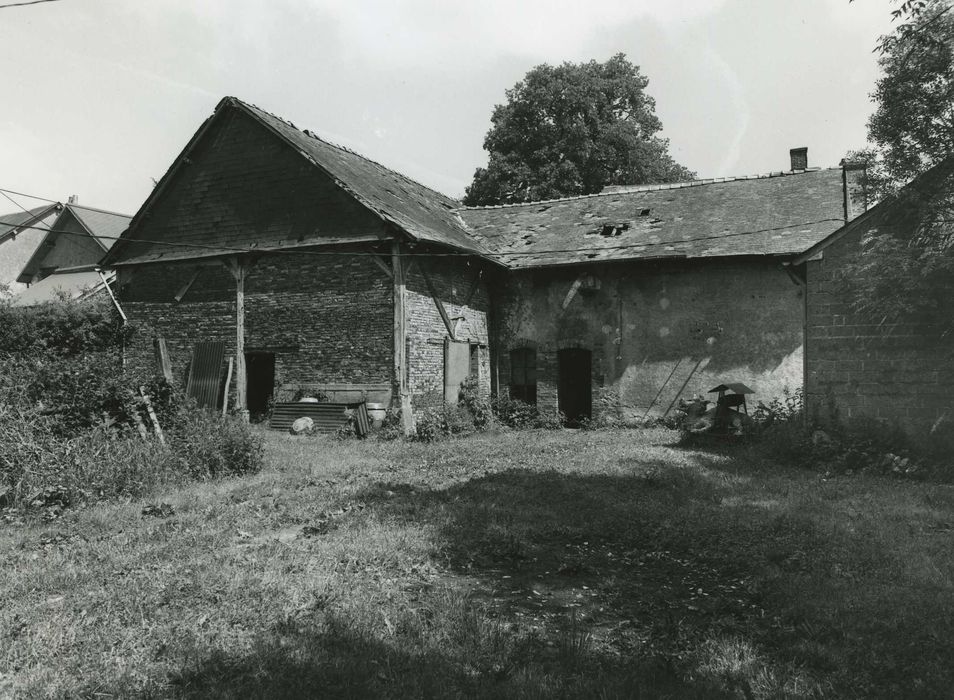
<point x="22" y="4"/>
<point x="31" y="196"/>
<point x="27" y="211"/>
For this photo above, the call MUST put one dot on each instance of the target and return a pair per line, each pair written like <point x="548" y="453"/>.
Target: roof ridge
<point x="97" y="209"/>
<point x="311" y="134"/>
<point x="632" y="189"/>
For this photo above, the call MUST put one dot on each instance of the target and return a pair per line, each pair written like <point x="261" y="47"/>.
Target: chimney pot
<point x="799" y="158"/>
<point x="74" y="199"/>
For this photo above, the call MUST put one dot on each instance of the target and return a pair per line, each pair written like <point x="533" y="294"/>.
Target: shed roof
<point x="777" y="214"/>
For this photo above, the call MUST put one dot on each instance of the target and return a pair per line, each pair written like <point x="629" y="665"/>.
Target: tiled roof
<point x="776" y="214"/>
<point x="423" y="213"/>
<point x="106" y="226"/>
<point x="9" y="222"/>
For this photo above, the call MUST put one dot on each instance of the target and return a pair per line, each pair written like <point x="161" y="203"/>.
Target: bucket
<point x="377" y="412"/>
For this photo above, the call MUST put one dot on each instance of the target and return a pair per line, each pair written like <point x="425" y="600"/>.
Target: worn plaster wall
<point x="328" y="319"/>
<point x="461" y="286"/>
<point x="899" y="372"/>
<point x="657" y="330"/>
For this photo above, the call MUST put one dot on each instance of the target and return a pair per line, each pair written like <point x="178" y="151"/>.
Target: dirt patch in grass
<point x="567" y="564"/>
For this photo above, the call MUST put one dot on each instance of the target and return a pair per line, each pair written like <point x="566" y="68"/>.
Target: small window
<point x="523" y="375"/>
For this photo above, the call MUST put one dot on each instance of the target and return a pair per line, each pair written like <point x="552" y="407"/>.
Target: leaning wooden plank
<point x="143" y="433"/>
<point x="228" y="382"/>
<point x="440" y="306"/>
<point x="162" y="358"/>
<point x="152" y="415"/>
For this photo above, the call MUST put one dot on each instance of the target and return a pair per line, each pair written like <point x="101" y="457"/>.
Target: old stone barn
<point x="349" y="279"/>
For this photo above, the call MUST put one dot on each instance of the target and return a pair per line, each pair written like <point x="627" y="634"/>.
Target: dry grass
<point x="595" y="564"/>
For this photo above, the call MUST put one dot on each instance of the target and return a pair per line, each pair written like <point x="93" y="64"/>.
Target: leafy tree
<point x="570" y="130"/>
<point x="912" y="127"/>
<point x="906" y="273"/>
<point x="914" y="121"/>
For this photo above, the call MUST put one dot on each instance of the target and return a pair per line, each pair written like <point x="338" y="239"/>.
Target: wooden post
<point x="400" y="340"/>
<point x="238" y="270"/>
<point x="225" y="396"/>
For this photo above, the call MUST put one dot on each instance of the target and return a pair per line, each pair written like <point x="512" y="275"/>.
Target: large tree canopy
<point x="912" y="127"/>
<point x="571" y="130"/>
<point x="913" y="123"/>
<point x="908" y="273"/>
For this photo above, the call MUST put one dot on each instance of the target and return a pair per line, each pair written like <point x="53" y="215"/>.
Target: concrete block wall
<point x="856" y="366"/>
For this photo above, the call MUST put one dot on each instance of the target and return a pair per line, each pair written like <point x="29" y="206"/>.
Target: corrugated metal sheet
<point x="205" y="373"/>
<point x="328" y="417"/>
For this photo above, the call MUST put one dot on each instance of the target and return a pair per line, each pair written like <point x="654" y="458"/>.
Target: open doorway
<point x="260" y="373"/>
<point x="575" y="390"/>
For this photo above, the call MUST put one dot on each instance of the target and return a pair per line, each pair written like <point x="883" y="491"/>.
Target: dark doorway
<point x="575" y="392"/>
<point x="260" y="371"/>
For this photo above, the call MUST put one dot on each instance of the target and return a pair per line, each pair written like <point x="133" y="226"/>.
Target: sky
<point x="102" y="95"/>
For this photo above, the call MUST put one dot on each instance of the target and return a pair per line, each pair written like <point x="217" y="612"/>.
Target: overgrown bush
<point x="520" y="415"/>
<point x="469" y="398"/>
<point x="110" y="460"/>
<point x="62" y="328"/>
<point x="208" y="445"/>
<point x="435" y="423"/>
<point x="846" y="446"/>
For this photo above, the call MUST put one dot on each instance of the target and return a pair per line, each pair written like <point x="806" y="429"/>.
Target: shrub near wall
<point x="68" y="413"/>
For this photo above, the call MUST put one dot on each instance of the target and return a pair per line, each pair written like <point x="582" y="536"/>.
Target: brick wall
<point x="461" y="286"/>
<point x="898" y="372"/>
<point x="694" y="323"/>
<point x="327" y="319"/>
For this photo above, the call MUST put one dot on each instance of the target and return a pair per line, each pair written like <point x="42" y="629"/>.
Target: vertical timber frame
<point x="239" y="269"/>
<point x="400" y="338"/>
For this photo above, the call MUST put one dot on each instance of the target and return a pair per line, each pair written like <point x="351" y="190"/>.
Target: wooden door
<point x="575" y="390"/>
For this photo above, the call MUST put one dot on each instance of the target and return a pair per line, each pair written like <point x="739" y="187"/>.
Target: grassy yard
<point x="537" y="564"/>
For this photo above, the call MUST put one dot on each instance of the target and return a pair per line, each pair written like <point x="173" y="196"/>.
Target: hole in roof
<point x="611" y="230"/>
<point x="591" y="255"/>
<point x="644" y="212"/>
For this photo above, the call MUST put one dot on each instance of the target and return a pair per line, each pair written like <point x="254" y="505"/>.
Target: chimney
<point x="799" y="158"/>
<point x="854" y="177"/>
<point x="74" y="198"/>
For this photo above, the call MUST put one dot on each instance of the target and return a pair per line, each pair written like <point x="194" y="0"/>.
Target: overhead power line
<point x="22" y="4"/>
<point x="31" y="196"/>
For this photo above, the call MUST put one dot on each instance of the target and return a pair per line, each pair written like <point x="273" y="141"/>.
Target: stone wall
<point x="657" y="330"/>
<point x="855" y="365"/>
<point x="461" y="286"/>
